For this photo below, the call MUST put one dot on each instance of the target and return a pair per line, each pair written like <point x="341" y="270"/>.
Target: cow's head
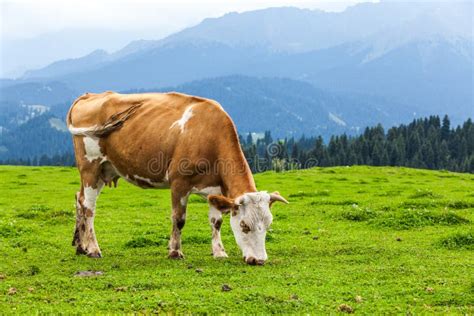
<point x="250" y="220"/>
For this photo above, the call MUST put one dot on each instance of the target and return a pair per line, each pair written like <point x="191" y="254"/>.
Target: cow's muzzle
<point x="252" y="261"/>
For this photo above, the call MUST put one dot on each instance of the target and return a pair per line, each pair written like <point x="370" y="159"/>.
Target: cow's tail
<point x="113" y="123"/>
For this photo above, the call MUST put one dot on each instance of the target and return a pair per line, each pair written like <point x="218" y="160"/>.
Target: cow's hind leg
<point x="215" y="219"/>
<point x="179" y="200"/>
<point x="84" y="235"/>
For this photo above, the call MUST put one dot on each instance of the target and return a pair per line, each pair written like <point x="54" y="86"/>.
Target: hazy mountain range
<point x="284" y="106"/>
<point x="375" y="62"/>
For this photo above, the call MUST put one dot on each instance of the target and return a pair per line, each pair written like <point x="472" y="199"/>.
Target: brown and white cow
<point x="158" y="140"/>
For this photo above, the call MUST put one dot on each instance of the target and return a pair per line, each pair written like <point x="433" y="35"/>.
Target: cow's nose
<point x="252" y="261"/>
<point x="260" y="262"/>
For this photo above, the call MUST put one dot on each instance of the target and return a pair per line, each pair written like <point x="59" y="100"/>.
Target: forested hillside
<point x="288" y="108"/>
<point x="429" y="143"/>
<point x="425" y="143"/>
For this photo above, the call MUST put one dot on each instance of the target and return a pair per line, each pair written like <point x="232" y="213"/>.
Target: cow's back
<point x="165" y="129"/>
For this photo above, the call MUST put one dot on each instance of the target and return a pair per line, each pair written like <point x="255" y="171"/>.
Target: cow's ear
<point x="222" y="203"/>
<point x="275" y="196"/>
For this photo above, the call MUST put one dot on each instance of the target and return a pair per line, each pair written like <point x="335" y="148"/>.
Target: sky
<point x="22" y="19"/>
<point x="62" y="29"/>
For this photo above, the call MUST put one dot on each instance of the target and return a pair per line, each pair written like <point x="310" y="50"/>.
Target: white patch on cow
<point x="188" y="113"/>
<point x="144" y="180"/>
<point x="167" y="178"/>
<point x="217" y="247"/>
<point x="152" y="183"/>
<point x="82" y="131"/>
<point x="184" y="200"/>
<point x="207" y="190"/>
<point x="92" y="148"/>
<point x="90" y="197"/>
<point x="254" y="212"/>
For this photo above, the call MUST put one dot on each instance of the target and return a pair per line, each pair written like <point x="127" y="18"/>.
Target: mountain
<point x="287" y="70"/>
<point x="20" y="55"/>
<point x="37" y="93"/>
<point x="21" y="102"/>
<point x="412" y="53"/>
<point x="41" y="135"/>
<point x="293" y="30"/>
<point x="66" y="66"/>
<point x="434" y="74"/>
<point x="285" y="107"/>
<point x="293" y="108"/>
<point x="94" y="60"/>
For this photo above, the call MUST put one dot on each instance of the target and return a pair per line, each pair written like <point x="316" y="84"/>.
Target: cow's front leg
<point x="215" y="219"/>
<point x="179" y="202"/>
<point x="84" y="235"/>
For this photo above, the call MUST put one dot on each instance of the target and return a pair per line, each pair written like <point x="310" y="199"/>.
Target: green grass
<point x="398" y="239"/>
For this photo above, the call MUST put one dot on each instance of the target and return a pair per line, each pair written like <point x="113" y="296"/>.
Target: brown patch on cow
<point x="80" y="250"/>
<point x="245" y="227"/>
<point x="83" y="227"/>
<point x="75" y="238"/>
<point x="180" y="223"/>
<point x="203" y="167"/>
<point x="213" y="220"/>
<point x="116" y="121"/>
<point x="218" y="224"/>
<point x="221" y="202"/>
<point x="89" y="213"/>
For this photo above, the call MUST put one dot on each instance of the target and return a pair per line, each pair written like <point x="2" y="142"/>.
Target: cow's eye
<point x="245" y="227"/>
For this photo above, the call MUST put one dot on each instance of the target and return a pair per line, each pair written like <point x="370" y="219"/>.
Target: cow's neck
<point x="237" y="176"/>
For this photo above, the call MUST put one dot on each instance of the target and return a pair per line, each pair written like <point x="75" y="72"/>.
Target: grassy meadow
<point x="353" y="239"/>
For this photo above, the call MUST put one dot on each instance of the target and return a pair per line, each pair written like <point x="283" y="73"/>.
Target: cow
<point x="167" y="140"/>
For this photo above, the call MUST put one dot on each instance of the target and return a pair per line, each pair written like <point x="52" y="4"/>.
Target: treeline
<point x="66" y="159"/>
<point x="428" y="143"/>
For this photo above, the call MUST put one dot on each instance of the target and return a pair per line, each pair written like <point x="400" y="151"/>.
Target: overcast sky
<point x="29" y="18"/>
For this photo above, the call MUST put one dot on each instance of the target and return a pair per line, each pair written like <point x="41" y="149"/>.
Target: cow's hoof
<point x="220" y="254"/>
<point x="95" y="255"/>
<point x="176" y="254"/>
<point x="80" y="251"/>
